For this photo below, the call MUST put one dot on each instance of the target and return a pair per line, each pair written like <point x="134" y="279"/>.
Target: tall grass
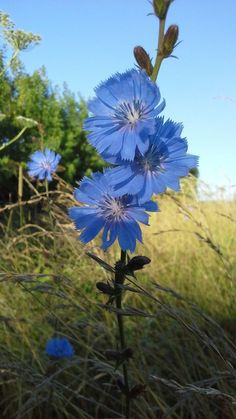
<point x="179" y="313"/>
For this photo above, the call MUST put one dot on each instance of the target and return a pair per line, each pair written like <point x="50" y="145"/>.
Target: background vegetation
<point x="180" y="315"/>
<point x="57" y="116"/>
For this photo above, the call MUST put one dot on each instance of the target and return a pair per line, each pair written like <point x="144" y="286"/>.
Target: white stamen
<point x="46" y="164"/>
<point x="113" y="208"/>
<point x="146" y="165"/>
<point x="133" y="117"/>
<point x="116" y="208"/>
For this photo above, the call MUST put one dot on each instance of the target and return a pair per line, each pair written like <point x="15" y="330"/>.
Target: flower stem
<point x="20" y="193"/>
<point x="46" y="188"/>
<point x="16" y="52"/>
<point x="50" y="216"/>
<point x="119" y="279"/>
<point x="13" y="139"/>
<point x="159" y="56"/>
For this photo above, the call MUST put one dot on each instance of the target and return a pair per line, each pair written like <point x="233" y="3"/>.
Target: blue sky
<point x="86" y="41"/>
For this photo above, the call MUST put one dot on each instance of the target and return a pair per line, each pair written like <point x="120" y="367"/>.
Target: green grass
<point x="182" y="335"/>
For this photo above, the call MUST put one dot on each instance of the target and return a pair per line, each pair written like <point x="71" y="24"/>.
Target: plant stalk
<point x="46" y="189"/>
<point x="13" y="139"/>
<point x="119" y="279"/>
<point x="16" y="52"/>
<point x="20" y="193"/>
<point x="159" y="56"/>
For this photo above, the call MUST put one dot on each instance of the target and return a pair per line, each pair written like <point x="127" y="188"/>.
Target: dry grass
<point x="182" y="334"/>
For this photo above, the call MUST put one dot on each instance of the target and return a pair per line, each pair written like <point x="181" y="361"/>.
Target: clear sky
<point x="86" y="41"/>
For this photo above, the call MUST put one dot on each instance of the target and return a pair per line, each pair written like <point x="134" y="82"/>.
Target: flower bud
<point x="136" y="263"/>
<point x="119" y="356"/>
<point x="161" y="8"/>
<point x="170" y="39"/>
<point x="127" y="353"/>
<point x="112" y="355"/>
<point x="136" y="390"/>
<point x="105" y="288"/>
<point x="143" y="59"/>
<point x="121" y="386"/>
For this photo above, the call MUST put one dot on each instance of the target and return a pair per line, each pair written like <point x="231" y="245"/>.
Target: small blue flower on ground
<point x="160" y="167"/>
<point x="118" y="217"/>
<point x="59" y="348"/>
<point x="124" y="114"/>
<point x="43" y="164"/>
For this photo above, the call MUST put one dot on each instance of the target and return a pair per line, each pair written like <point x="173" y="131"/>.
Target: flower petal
<point x="92" y="229"/>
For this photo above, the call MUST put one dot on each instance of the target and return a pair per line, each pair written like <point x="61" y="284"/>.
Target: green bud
<point x="136" y="263"/>
<point x="170" y="39"/>
<point x="161" y="8"/>
<point x="143" y="59"/>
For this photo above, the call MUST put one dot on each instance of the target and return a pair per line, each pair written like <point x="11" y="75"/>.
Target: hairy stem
<point x="159" y="56"/>
<point x="119" y="279"/>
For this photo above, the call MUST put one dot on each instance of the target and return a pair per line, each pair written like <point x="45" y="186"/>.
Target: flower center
<point x="46" y="164"/>
<point x="133" y="116"/>
<point x="146" y="165"/>
<point x="151" y="161"/>
<point x="113" y="208"/>
<point x="129" y="112"/>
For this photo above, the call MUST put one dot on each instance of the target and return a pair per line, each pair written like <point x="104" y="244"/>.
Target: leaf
<point x="101" y="262"/>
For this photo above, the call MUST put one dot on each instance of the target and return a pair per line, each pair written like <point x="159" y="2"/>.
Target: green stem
<point x="123" y="256"/>
<point x="13" y="139"/>
<point x="46" y="188"/>
<point x="9" y="63"/>
<point x="51" y="217"/>
<point x="159" y="56"/>
<point x="119" y="279"/>
<point x="48" y="404"/>
<point x="20" y="193"/>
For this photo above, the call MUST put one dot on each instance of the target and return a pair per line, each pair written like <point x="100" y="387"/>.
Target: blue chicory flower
<point x="124" y="114"/>
<point x="43" y="164"/>
<point x="59" y="348"/>
<point x="118" y="217"/>
<point x="160" y="167"/>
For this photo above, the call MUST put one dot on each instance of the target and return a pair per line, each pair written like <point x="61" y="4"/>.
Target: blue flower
<point x="59" y="348"/>
<point x="124" y="114"/>
<point x="160" y="167"/>
<point x="118" y="217"/>
<point x="43" y="164"/>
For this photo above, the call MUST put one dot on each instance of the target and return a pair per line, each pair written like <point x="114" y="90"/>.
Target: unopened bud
<point x="127" y="353"/>
<point x="112" y="355"/>
<point x="136" y="263"/>
<point x="121" y="386"/>
<point x="143" y="59"/>
<point x="105" y="288"/>
<point x="170" y="39"/>
<point x="161" y="8"/>
<point x="136" y="390"/>
<point x="119" y="356"/>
